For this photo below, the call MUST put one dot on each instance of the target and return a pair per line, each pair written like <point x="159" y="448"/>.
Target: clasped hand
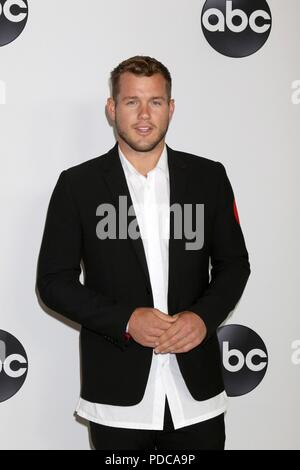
<point x="187" y="332"/>
<point x="166" y="333"/>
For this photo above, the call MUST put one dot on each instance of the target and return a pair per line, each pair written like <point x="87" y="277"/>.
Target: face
<point x="142" y="112"/>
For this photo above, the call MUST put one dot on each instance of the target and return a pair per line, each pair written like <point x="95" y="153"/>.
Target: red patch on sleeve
<point x="126" y="336"/>
<point x="235" y="211"/>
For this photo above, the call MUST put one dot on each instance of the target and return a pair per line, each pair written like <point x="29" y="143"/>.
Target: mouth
<point x="144" y="130"/>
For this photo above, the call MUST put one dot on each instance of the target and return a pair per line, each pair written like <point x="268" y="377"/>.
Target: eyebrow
<point x="137" y="98"/>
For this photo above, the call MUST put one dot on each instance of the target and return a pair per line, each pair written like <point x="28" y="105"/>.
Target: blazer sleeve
<point x="230" y="266"/>
<point x="59" y="270"/>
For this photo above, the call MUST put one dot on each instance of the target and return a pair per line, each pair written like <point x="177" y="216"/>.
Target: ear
<point x="111" y="108"/>
<point x="172" y="108"/>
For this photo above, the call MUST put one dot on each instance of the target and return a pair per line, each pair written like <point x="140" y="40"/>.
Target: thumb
<point x="164" y="316"/>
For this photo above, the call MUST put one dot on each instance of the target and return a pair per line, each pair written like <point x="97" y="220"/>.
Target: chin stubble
<point x="151" y="146"/>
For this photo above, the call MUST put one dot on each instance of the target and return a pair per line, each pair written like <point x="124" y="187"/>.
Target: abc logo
<point x="13" y="19"/>
<point x="236" y="28"/>
<point x="13" y="365"/>
<point x="245" y="359"/>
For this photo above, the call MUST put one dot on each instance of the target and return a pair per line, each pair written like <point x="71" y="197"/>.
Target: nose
<point x="144" y="111"/>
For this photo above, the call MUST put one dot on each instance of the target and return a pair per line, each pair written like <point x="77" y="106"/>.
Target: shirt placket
<point x="154" y="256"/>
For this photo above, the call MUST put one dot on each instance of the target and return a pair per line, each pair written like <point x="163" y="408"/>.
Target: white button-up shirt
<point x="151" y="200"/>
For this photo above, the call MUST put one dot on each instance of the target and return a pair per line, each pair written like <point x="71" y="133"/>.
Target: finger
<point x="173" y="331"/>
<point x="157" y="332"/>
<point x="186" y="347"/>
<point x="170" y="343"/>
<point x="164" y="316"/>
<point x="162" y="325"/>
<point x="181" y="346"/>
<point x="192" y="340"/>
<point x="150" y="342"/>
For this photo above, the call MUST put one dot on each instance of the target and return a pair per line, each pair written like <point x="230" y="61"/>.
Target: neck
<point x="143" y="162"/>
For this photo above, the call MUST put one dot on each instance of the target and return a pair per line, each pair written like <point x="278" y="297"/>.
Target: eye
<point x="157" y="103"/>
<point x="131" y="102"/>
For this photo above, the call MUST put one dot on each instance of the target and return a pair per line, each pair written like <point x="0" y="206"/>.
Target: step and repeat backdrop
<point x="236" y="84"/>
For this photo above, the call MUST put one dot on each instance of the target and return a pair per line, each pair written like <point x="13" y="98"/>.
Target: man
<point x="148" y="310"/>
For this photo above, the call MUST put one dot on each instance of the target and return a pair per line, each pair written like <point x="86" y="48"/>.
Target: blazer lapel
<point x="116" y="181"/>
<point x="178" y="182"/>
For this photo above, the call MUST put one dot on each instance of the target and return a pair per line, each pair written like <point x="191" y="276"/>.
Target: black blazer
<point x="115" y="370"/>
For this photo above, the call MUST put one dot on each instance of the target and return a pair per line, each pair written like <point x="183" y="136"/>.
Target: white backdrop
<point x="237" y="111"/>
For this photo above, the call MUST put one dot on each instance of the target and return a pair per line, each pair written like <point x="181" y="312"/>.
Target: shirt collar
<point x="162" y="163"/>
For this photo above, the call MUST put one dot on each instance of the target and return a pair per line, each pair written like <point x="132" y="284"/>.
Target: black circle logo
<point x="236" y="28"/>
<point x="13" y="365"/>
<point x="13" y="19"/>
<point x="245" y="359"/>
